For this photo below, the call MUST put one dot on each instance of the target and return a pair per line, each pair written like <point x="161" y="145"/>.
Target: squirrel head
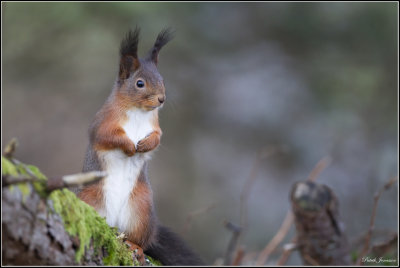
<point x="139" y="81"/>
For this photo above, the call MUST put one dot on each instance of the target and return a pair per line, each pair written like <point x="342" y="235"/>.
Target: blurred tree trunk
<point x="318" y="225"/>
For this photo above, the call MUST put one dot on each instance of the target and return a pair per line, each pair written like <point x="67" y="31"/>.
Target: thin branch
<point x="7" y="180"/>
<point x="358" y="242"/>
<point x="75" y="180"/>
<point x="309" y="259"/>
<point x="52" y="183"/>
<point x="24" y="166"/>
<point x="319" y="167"/>
<point x="244" y="196"/>
<point x="83" y="178"/>
<point x="276" y="240"/>
<point x="236" y="231"/>
<point x="57" y="182"/>
<point x="239" y="257"/>
<point x="366" y="248"/>
<point x="383" y="247"/>
<point x="10" y="148"/>
<point x="288" y="221"/>
<point x="249" y="257"/>
<point x="286" y="252"/>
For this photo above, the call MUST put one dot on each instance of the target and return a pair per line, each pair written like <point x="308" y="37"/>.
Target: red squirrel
<point x="123" y="135"/>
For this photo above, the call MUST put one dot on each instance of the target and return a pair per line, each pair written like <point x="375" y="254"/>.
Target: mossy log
<point x="42" y="227"/>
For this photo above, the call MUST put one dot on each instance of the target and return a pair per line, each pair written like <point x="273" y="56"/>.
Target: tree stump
<point x="320" y="235"/>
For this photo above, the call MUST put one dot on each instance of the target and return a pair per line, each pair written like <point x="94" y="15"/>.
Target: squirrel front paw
<point x="129" y="149"/>
<point x="142" y="147"/>
<point x="149" y="143"/>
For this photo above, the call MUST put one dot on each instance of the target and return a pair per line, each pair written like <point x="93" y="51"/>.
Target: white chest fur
<point x="123" y="172"/>
<point x="139" y="124"/>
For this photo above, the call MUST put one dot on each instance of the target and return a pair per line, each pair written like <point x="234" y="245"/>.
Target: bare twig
<point x="10" y="180"/>
<point x="9" y="153"/>
<point x="366" y="248"/>
<point x="239" y="257"/>
<point x="195" y="213"/>
<point x="385" y="246"/>
<point x="249" y="257"/>
<point x="358" y="242"/>
<point x="24" y="166"/>
<point x="286" y="252"/>
<point x="57" y="182"/>
<point x="53" y="183"/>
<point x="83" y="178"/>
<point x="288" y="221"/>
<point x="74" y="180"/>
<point x="236" y="230"/>
<point x="10" y="148"/>
<point x="244" y="196"/>
<point x="311" y="260"/>
<point x="277" y="239"/>
<point x="319" y="167"/>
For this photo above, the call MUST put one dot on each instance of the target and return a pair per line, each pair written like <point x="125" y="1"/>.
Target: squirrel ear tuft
<point x="163" y="37"/>
<point x="129" y="59"/>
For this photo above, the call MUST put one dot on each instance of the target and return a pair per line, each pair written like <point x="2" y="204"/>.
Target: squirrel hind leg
<point x="170" y="249"/>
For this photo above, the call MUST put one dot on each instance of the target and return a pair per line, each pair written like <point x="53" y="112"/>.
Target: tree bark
<point x="34" y="236"/>
<point x="43" y="227"/>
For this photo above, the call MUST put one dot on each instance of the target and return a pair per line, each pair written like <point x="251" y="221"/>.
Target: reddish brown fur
<point x="93" y="195"/>
<point x="141" y="201"/>
<point x="149" y="143"/>
<point x="107" y="133"/>
<point x="138" y="251"/>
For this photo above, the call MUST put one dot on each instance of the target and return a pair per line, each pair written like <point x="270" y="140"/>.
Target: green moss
<point x="153" y="261"/>
<point x="79" y="219"/>
<point x="8" y="168"/>
<point x="20" y="169"/>
<point x="82" y="220"/>
<point x="38" y="174"/>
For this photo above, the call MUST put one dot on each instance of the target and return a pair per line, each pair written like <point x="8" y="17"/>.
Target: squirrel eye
<point x="139" y="83"/>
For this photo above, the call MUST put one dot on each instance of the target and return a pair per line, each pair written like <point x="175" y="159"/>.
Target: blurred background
<point x="300" y="81"/>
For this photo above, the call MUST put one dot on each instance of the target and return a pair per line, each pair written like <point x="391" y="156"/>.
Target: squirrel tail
<point x="170" y="249"/>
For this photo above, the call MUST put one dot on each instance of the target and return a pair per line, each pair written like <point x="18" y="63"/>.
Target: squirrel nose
<point x="161" y="99"/>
